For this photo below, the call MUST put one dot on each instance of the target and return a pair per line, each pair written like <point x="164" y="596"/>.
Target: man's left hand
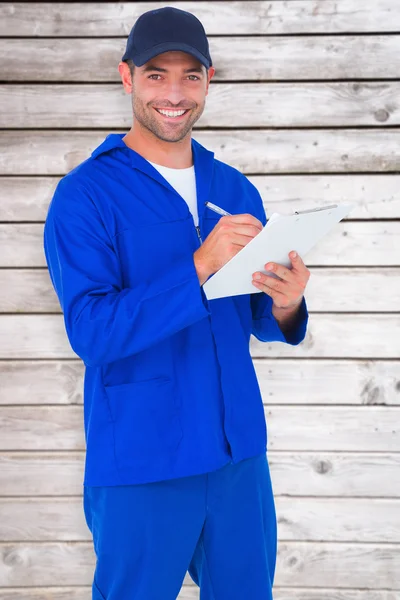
<point x="286" y="292"/>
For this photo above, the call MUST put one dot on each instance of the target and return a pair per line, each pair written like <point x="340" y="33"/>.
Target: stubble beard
<point x="149" y="120"/>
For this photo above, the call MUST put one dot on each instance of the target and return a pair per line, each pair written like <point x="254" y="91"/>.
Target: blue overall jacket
<point x="170" y="388"/>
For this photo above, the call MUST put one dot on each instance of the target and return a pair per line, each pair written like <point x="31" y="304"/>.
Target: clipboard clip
<point x="301" y="212"/>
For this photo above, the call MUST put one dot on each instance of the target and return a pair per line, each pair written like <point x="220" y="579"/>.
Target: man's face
<point x="172" y="81"/>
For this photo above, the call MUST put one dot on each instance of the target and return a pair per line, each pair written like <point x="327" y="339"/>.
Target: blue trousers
<point x="219" y="526"/>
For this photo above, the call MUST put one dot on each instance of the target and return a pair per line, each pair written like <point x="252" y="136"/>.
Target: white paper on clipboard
<point x="282" y="233"/>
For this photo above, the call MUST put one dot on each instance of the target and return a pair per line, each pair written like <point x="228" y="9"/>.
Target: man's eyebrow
<point x="151" y="67"/>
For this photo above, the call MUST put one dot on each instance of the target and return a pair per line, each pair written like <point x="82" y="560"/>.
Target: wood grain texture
<point x="338" y="519"/>
<point x="367" y="243"/>
<point x="255" y="105"/>
<point x="341" y="565"/>
<point x="276" y="58"/>
<point x="339" y="335"/>
<point x="318" y="564"/>
<point x="357" y="289"/>
<point x="41" y="382"/>
<point x="303" y="519"/>
<point x="283" y="382"/>
<point x="374" y="196"/>
<point x="243" y="17"/>
<point x="297" y="593"/>
<point x="328" y="382"/>
<point x="338" y="474"/>
<point x="190" y="592"/>
<point x="304" y="102"/>
<point x="330" y="428"/>
<point x="44" y="337"/>
<point x="44" y="152"/>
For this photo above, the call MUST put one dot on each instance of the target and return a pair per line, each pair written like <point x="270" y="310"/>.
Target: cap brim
<point x="140" y="59"/>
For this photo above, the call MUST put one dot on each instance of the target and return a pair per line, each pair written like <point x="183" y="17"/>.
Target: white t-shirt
<point x="184" y="182"/>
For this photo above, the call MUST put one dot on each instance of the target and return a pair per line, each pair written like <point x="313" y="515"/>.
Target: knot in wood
<point x="323" y="466"/>
<point x="381" y="115"/>
<point x="12" y="557"/>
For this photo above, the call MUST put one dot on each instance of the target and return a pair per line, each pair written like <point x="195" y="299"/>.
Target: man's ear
<point x="210" y="75"/>
<point x="126" y="77"/>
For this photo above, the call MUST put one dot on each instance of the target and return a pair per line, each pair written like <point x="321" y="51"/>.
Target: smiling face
<point x="169" y="94"/>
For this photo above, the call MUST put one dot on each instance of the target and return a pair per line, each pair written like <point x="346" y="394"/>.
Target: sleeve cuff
<point x="296" y="334"/>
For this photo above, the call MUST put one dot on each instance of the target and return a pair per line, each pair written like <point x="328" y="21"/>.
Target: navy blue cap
<point x="165" y="29"/>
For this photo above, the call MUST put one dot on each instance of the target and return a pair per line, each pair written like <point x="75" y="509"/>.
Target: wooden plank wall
<point x="305" y="102"/>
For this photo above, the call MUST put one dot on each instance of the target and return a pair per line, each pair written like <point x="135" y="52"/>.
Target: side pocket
<point x="96" y="593"/>
<point x="146" y="419"/>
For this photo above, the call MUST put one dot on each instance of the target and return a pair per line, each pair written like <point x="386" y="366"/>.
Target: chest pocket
<point x="146" y="250"/>
<point x="210" y="220"/>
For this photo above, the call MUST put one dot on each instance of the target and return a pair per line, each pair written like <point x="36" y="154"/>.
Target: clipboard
<point x="300" y="231"/>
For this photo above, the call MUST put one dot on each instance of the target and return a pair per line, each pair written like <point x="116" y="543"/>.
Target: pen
<point x="301" y="212"/>
<point x="217" y="209"/>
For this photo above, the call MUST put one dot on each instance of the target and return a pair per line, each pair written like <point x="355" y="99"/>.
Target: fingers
<point x="235" y="228"/>
<point x="298" y="269"/>
<point x="240" y="240"/>
<point x="282" y="272"/>
<point x="247" y="230"/>
<point x="244" y="219"/>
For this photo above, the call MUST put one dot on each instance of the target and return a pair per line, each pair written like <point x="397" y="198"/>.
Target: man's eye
<point x="156" y="75"/>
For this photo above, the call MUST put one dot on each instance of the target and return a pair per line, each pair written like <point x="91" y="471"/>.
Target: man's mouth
<point x="173" y="115"/>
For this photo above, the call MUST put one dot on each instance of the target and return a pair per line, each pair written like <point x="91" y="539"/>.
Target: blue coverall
<point x="176" y="473"/>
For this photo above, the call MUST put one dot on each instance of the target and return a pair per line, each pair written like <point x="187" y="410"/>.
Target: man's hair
<point x="131" y="65"/>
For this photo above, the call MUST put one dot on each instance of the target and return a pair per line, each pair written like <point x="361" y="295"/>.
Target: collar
<point x="203" y="161"/>
<point x="113" y="140"/>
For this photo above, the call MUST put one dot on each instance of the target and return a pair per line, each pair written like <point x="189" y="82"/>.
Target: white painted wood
<point x="280" y="16"/>
<point x="44" y="337"/>
<point x="353" y="289"/>
<point x="370" y="565"/>
<point x="339" y="335"/>
<point x="339" y="474"/>
<point x="365" y="243"/>
<point x="336" y="428"/>
<point x="341" y="565"/>
<point x="327" y="428"/>
<point x="328" y="382"/>
<point x="190" y="592"/>
<point x="41" y="382"/>
<point x="26" y="198"/>
<point x="324" y="382"/>
<point x="274" y="151"/>
<point x="323" y="474"/>
<point x="43" y="519"/>
<point x="374" y="196"/>
<point x="54" y="593"/>
<point x="41" y="428"/>
<point x="303" y="519"/>
<point x="255" y="105"/>
<point x="297" y="593"/>
<point x="356" y="290"/>
<point x="27" y="290"/>
<point x="276" y="58"/>
<point x="37" y="474"/>
<point x="338" y="519"/>
<point x="314" y="127"/>
<point x="30" y="564"/>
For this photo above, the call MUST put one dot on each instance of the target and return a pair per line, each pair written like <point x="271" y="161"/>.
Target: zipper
<point x="199" y="233"/>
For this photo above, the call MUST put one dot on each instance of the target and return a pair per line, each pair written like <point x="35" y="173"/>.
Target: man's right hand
<point x="227" y="238"/>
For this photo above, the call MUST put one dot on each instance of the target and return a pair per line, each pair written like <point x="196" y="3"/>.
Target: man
<point x="176" y="472"/>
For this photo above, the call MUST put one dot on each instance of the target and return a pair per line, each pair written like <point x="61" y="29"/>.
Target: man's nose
<point x="174" y="93"/>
